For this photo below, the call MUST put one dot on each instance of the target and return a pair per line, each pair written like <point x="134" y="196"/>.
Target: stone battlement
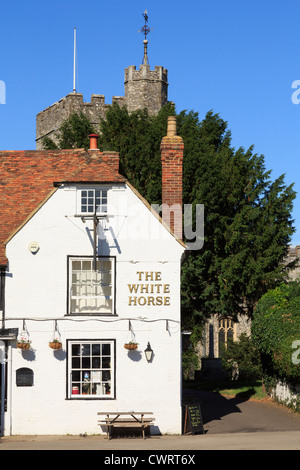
<point x="50" y="119"/>
<point x="144" y="88"/>
<point x="144" y="73"/>
<point x="293" y="253"/>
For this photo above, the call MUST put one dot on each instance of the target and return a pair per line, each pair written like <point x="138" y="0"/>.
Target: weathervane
<point x="145" y="30"/>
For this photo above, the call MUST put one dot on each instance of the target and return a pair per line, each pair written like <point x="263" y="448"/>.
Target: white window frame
<point x="91" y="370"/>
<point x="91" y="197"/>
<point x="98" y="284"/>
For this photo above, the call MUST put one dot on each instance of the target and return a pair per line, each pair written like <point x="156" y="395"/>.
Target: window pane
<point x="75" y="349"/>
<point x="86" y="349"/>
<point x="96" y="349"/>
<point x="96" y="362"/>
<point x="106" y="278"/>
<point x="106" y="362"/>
<point x="76" y="265"/>
<point x="230" y="334"/>
<point x="75" y="362"/>
<point x="106" y="376"/>
<point x="106" y="349"/>
<point x="86" y="362"/>
<point x="76" y="376"/>
<point x="86" y="265"/>
<point x="86" y="375"/>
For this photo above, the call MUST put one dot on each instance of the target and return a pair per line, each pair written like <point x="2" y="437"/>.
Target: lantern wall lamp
<point x="148" y="353"/>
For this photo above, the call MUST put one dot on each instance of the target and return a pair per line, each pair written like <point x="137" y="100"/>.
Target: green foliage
<point x="190" y="356"/>
<point x="247" y="224"/>
<point x="137" y="137"/>
<point x="49" y="144"/>
<point x="73" y="133"/>
<point x="275" y="326"/>
<point x="243" y="356"/>
<point x="190" y="363"/>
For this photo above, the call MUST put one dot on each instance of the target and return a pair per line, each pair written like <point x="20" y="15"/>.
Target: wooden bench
<point x="133" y="419"/>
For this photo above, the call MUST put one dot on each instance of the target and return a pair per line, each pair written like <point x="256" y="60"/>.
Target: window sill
<point x="92" y="398"/>
<point x="92" y="314"/>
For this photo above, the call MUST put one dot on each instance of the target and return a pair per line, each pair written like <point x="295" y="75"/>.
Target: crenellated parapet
<point x="293" y="254"/>
<point x="50" y="119"/>
<point x="146" y="88"/>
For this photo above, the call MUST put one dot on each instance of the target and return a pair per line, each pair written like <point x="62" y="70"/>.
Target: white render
<point x="36" y="290"/>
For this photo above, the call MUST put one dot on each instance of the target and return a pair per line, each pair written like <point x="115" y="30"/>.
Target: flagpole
<point x="74" y="64"/>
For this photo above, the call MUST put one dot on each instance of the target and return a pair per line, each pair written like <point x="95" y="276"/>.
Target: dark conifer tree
<point x="247" y="224"/>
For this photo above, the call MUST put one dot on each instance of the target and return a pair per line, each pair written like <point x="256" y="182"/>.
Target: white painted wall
<point x="286" y="393"/>
<point x="36" y="289"/>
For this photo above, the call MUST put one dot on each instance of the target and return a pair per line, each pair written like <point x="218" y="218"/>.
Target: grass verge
<point x="230" y="388"/>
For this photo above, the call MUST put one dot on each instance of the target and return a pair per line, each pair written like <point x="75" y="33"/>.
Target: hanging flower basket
<point x="23" y="345"/>
<point x="131" y="345"/>
<point x="55" y="344"/>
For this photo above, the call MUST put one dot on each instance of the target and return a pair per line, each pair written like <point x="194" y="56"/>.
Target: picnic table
<point x="126" y="419"/>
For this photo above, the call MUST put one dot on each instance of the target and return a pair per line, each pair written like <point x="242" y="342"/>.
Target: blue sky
<point x="239" y="59"/>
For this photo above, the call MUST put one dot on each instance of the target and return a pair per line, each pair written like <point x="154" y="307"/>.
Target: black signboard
<point x="193" y="419"/>
<point x="24" y="377"/>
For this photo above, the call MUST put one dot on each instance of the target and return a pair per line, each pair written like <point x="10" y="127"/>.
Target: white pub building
<point x="88" y="271"/>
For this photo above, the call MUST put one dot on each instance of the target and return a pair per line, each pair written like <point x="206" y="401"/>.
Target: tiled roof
<point x="27" y="178"/>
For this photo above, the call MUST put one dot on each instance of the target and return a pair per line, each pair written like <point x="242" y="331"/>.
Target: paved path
<point x="232" y="415"/>
<point x="283" y="440"/>
<point x="229" y="424"/>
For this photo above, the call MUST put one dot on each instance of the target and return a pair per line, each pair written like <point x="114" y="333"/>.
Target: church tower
<point x="144" y="88"/>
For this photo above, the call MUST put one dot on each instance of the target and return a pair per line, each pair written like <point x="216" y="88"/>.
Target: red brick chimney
<point x="172" y="157"/>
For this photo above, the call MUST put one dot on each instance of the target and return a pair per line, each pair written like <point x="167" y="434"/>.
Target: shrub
<point x="275" y="327"/>
<point x="243" y="356"/>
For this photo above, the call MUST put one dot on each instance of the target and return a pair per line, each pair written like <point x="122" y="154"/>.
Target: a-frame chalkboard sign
<point x="193" y="419"/>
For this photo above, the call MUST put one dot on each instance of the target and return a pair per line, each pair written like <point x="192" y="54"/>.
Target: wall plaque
<point x="24" y="377"/>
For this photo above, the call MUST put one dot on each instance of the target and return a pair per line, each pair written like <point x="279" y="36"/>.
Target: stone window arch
<point x="226" y="331"/>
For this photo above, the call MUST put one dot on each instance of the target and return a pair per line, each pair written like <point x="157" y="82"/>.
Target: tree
<point x="243" y="357"/>
<point x="73" y="133"/>
<point x="137" y="137"/>
<point x="248" y="223"/>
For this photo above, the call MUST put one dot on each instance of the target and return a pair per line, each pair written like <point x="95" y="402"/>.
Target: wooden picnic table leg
<point x="108" y="427"/>
<point x="143" y="428"/>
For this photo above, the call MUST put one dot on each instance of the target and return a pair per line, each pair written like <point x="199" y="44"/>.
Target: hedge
<point x="275" y="329"/>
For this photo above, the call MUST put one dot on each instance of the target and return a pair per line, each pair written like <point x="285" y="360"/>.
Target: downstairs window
<point x="91" y="367"/>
